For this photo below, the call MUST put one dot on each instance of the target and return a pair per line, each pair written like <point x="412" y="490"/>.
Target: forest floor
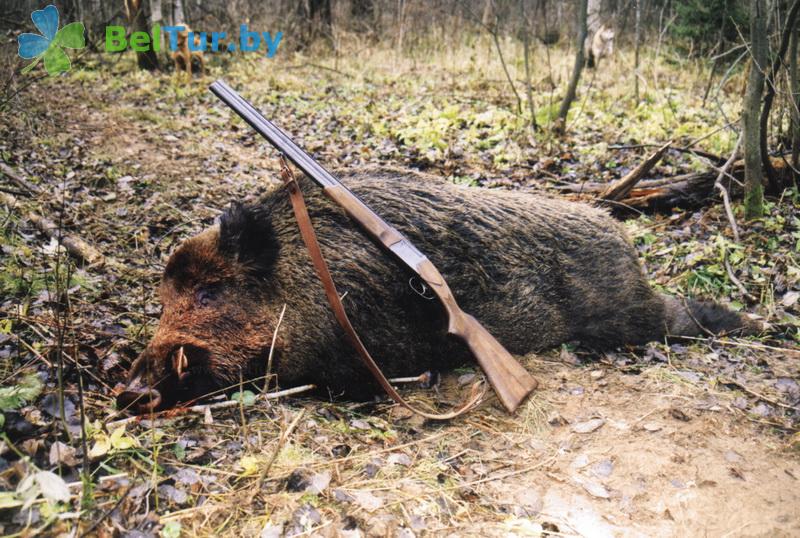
<point x="691" y="439"/>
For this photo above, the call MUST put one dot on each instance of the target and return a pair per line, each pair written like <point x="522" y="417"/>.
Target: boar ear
<point x="247" y="236"/>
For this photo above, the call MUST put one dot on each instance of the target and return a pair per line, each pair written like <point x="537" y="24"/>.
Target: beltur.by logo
<point x="48" y="45"/>
<point x="249" y="41"/>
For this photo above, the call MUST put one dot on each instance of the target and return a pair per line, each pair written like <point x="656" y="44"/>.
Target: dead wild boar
<point x="536" y="271"/>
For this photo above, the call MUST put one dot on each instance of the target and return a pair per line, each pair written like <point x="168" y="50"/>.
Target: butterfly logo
<point x="48" y="46"/>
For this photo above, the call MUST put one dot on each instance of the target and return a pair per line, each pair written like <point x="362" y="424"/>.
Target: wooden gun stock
<point x="511" y="382"/>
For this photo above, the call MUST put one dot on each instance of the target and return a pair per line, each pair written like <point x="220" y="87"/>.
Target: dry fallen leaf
<point x="62" y="454"/>
<point x="588" y="426"/>
<point x="367" y="500"/>
<point x="652" y="426"/>
<point x="319" y="482"/>
<point x="53" y="486"/>
<point x="595" y="490"/>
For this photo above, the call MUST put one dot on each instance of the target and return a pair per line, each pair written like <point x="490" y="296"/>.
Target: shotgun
<point x="510" y="381"/>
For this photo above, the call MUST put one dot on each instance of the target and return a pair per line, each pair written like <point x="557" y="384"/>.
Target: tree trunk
<point x="637" y="37"/>
<point x="157" y="17"/>
<point x="569" y="97"/>
<point x="593" y="20"/>
<point x="794" y="85"/>
<point x="775" y="186"/>
<point x="316" y="18"/>
<point x="526" y="30"/>
<point x="178" y="15"/>
<point x="751" y="112"/>
<point x="364" y="11"/>
<point x="137" y="18"/>
<point x="488" y="13"/>
<point x="401" y="22"/>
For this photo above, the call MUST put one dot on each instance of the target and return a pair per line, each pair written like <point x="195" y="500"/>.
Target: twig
<point x="685" y="149"/>
<point x="694" y="142"/>
<point x="318" y="66"/>
<point x="496" y="39"/>
<point x="201" y="409"/>
<point x="730" y="50"/>
<point x="526" y="55"/>
<point x="107" y="513"/>
<point x="508" y="474"/>
<point x="726" y="381"/>
<point x="620" y="188"/>
<point x="284" y="436"/>
<point x="281" y="441"/>
<point x="422" y="378"/>
<point x="736" y="281"/>
<point x="696" y="321"/>
<point x="272" y="348"/>
<point x="19" y="180"/>
<point x="724" y="192"/>
<point x="749" y="345"/>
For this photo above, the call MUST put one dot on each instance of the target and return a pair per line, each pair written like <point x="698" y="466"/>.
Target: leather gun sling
<point x="310" y="240"/>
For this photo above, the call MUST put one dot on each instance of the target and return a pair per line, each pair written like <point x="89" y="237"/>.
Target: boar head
<point x="217" y="318"/>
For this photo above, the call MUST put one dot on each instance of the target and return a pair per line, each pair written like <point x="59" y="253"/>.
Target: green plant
<point x="15" y="396"/>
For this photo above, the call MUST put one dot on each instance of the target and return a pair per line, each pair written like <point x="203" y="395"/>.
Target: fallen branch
<point x="204" y="408"/>
<point x="686" y="191"/>
<point x="20" y="182"/>
<point x="620" y="188"/>
<point x="74" y="245"/>
<point x="724" y="192"/>
<point x="729" y="381"/>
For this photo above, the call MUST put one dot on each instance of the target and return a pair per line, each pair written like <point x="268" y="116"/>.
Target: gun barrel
<point x="376" y="226"/>
<point x="273" y="134"/>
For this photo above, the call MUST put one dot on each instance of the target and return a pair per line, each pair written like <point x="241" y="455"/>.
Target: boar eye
<point x="204" y="296"/>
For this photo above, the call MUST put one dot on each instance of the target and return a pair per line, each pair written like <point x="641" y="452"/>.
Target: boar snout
<point x="162" y="375"/>
<point x="137" y="397"/>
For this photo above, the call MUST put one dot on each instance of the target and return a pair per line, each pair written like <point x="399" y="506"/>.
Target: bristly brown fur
<point x="536" y="271"/>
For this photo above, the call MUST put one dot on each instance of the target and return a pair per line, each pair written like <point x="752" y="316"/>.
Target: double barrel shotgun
<point x="510" y="381"/>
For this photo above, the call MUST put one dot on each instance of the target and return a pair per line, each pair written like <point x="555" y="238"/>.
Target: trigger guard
<point x="420" y="288"/>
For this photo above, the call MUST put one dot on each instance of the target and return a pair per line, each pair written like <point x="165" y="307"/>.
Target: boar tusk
<point x="181" y="362"/>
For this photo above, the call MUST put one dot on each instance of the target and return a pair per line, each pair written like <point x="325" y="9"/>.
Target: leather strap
<point x="310" y="240"/>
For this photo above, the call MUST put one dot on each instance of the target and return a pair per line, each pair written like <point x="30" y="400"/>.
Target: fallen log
<point x="76" y="246"/>
<point x="685" y="191"/>
<point x="694" y="190"/>
<point x="622" y="187"/>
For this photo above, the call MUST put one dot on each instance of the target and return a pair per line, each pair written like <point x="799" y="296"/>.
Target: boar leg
<point x="699" y="318"/>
